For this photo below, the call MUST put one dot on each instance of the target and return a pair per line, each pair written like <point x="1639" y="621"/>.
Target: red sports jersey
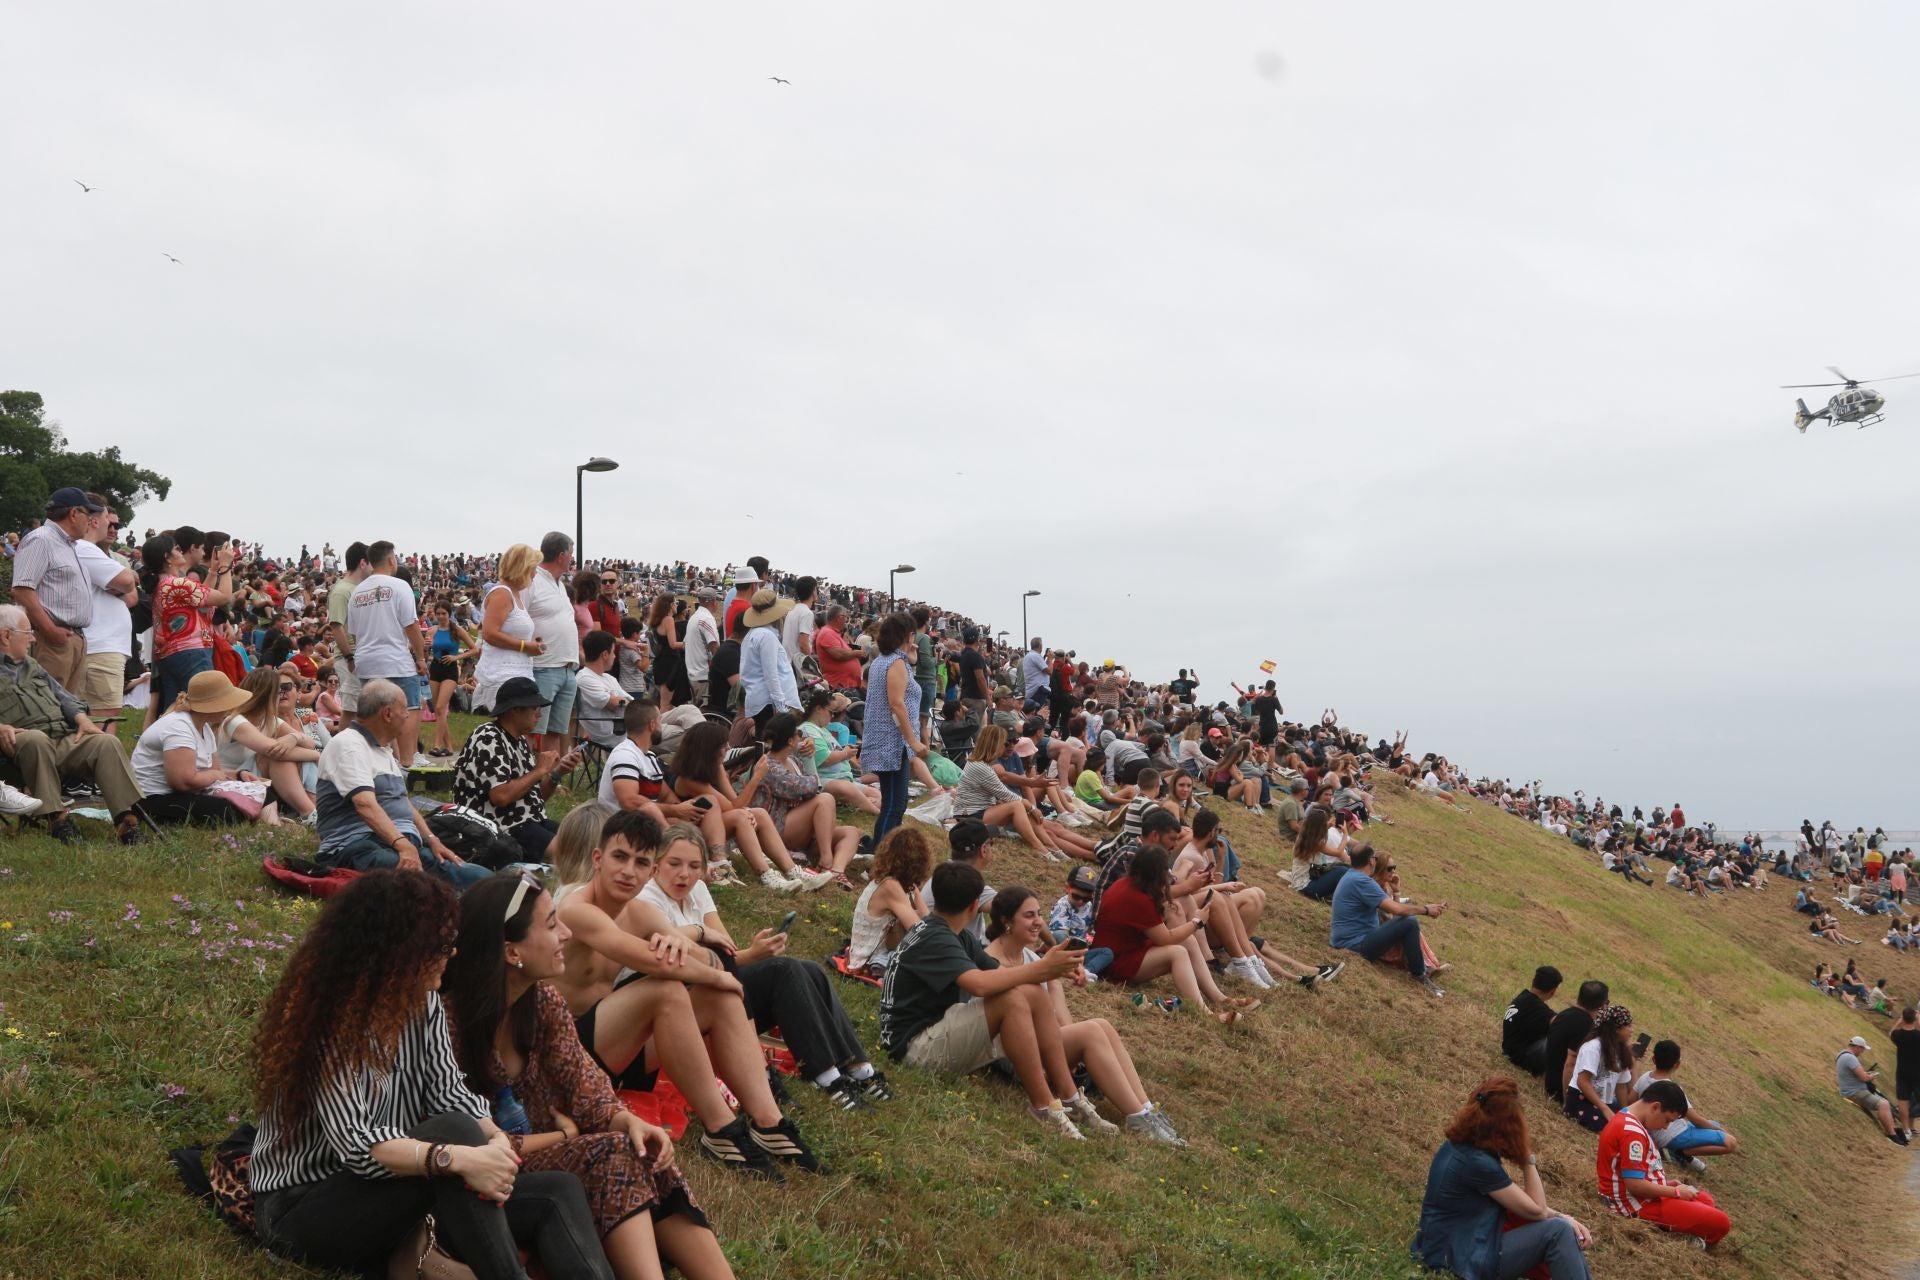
<point x="1627" y="1155"/>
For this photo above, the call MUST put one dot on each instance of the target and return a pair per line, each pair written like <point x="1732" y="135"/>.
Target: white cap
<point x="1858" y="1042"/>
<point x="745" y="578"/>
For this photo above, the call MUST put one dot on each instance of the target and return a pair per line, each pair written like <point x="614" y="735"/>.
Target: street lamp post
<point x="892" y="600"/>
<point x="579" y="473"/>
<point x="1026" y="637"/>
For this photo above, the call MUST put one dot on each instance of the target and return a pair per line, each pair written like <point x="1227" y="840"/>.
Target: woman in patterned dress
<point x="517" y="1047"/>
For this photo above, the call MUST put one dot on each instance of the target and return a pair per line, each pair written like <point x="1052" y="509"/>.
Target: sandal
<point x="1227" y="1017"/>
<point x="1245" y="1004"/>
<point x="840" y="878"/>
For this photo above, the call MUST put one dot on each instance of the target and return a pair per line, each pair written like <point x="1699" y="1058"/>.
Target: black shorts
<point x="1907" y="1090"/>
<point x="443" y="669"/>
<point x="636" y="1077"/>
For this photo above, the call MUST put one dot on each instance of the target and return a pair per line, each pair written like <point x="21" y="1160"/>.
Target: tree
<point x="35" y="460"/>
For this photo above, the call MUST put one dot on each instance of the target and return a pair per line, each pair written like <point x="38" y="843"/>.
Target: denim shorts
<point x="414" y="686"/>
<point x="558" y="687"/>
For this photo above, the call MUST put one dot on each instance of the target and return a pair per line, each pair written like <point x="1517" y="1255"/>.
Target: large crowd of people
<point x="500" y="971"/>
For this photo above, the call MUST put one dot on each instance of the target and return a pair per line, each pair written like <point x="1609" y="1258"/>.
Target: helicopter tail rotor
<point x="1802" y="419"/>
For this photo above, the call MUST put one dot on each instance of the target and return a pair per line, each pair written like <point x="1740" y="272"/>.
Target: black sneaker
<point x="846" y="1095"/>
<point x="1897" y="1138"/>
<point x="783" y="1142"/>
<point x="63" y="830"/>
<point x="876" y="1087"/>
<point x="735" y="1148"/>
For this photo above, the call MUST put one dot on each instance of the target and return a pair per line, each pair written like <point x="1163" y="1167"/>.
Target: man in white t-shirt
<point x="703" y="637"/>
<point x="796" y="629"/>
<point x="633" y="779"/>
<point x="601" y="699"/>
<point x="550" y="605"/>
<point x="387" y="644"/>
<point x="110" y="634"/>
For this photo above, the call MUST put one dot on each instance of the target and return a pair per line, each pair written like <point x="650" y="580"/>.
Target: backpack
<point x="222" y="1182"/>
<point x="477" y="839"/>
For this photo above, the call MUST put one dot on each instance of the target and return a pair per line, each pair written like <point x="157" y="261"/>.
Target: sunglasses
<point x="527" y="881"/>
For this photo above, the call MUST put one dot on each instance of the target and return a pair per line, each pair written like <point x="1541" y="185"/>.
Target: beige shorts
<point x="958" y="1044"/>
<point x="104" y="684"/>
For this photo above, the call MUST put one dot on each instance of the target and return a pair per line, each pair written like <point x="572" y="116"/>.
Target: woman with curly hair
<point x="891" y="903"/>
<point x="1474" y="1222"/>
<point x="1602" y="1071"/>
<point x="365" y="1124"/>
<point x="518" y="1049"/>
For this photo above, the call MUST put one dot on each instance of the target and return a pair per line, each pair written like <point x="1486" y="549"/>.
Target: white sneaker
<point x="777" y="882"/>
<point x="15" y="802"/>
<point x="1057" y="1119"/>
<point x="1087" y="1118"/>
<point x="1249" y="969"/>
<point x="1153" y="1126"/>
<point x="808" y="881"/>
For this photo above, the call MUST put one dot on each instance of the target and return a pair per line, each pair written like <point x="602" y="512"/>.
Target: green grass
<point x="1312" y="1129"/>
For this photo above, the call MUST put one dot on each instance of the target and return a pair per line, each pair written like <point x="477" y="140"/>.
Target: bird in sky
<point x="778" y="80"/>
<point x="170" y="258"/>
<point x="84" y="188"/>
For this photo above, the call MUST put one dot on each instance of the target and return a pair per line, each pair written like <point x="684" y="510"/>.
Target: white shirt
<point x="601" y="697"/>
<point x="702" y="631"/>
<point x="628" y="761"/>
<point x="551" y="609"/>
<point x="378" y="614"/>
<point x="797" y="623"/>
<point x="168" y="733"/>
<point x="1672" y="1131"/>
<point x="111" y="630"/>
<point x="695" y="910"/>
<point x="1605" y="1083"/>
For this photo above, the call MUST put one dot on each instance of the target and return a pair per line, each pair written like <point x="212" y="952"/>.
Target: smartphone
<point x="786" y="921"/>
<point x="702" y="802"/>
<point x="1074" y="944"/>
<point x="1640" y="1045"/>
<point x="1208" y="899"/>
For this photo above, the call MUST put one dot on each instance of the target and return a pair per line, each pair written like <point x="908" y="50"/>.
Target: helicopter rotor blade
<point x="1811" y="386"/>
<point x="1843" y="377"/>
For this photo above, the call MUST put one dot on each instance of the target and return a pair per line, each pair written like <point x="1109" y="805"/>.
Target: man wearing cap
<point x="1856" y="1086"/>
<point x="363" y="815"/>
<point x="51" y="584"/>
<point x="740" y="594"/>
<point x="502" y="775"/>
<point x="1006" y="710"/>
<point x="703" y="637"/>
<point x="46" y="738"/>
<point x="766" y="674"/>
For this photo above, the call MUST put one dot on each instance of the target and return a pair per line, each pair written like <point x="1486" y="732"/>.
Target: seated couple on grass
<point x="950" y="1005"/>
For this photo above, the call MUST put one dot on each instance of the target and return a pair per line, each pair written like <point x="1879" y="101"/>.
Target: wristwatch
<point x="440" y="1159"/>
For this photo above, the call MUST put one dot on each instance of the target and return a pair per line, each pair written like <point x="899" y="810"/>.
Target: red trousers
<point x="1696" y="1217"/>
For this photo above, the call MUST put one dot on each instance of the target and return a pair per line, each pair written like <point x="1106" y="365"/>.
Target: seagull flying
<point x="170" y="258"/>
<point x="778" y="80"/>
<point x="84" y="188"/>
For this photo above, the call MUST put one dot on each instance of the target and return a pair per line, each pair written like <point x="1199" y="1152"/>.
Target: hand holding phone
<point x="1074" y="944"/>
<point x="786" y="922"/>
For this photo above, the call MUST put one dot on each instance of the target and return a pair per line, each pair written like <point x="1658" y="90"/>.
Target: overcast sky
<point x="1431" y="354"/>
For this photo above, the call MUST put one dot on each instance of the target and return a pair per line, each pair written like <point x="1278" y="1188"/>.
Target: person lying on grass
<point x="1602" y="1080"/>
<point x="784" y="993"/>
<point x="365" y="1125"/>
<point x="1826" y="926"/>
<point x="1233" y="912"/>
<point x="1692" y="1135"/>
<point x="950" y="1008"/>
<point x="892" y="902"/>
<point x="1474" y="1222"/>
<point x="655" y="1017"/>
<point x="1633" y="1180"/>
<point x="1015" y="932"/>
<point x="1359" y="903"/>
<point x="517" y="1049"/>
<point x="1131" y="920"/>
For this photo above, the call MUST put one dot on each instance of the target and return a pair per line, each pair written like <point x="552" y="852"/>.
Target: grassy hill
<point x="129" y="980"/>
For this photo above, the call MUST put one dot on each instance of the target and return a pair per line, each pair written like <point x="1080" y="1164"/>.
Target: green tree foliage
<point x="35" y="460"/>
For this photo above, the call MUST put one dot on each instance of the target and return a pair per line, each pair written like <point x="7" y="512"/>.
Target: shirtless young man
<point x="654" y="1018"/>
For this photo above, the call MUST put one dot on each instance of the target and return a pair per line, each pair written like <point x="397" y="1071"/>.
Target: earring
<point x="520" y="963"/>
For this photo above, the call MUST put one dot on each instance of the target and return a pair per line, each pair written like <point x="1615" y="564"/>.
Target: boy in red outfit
<point x="1634" y="1184"/>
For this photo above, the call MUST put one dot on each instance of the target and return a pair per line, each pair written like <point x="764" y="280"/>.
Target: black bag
<point x="476" y="839"/>
<point x="222" y="1185"/>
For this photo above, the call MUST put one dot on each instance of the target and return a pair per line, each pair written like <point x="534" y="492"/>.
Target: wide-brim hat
<point x="767" y="607"/>
<point x="516" y="693"/>
<point x="210" y="692"/>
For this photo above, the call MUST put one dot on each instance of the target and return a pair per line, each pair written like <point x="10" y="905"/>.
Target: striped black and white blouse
<point x="350" y="1116"/>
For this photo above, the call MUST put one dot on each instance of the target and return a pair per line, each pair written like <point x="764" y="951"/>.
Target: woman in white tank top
<point x="507" y="642"/>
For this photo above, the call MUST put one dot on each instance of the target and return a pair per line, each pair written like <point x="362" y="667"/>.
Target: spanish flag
<point x="1267" y="666"/>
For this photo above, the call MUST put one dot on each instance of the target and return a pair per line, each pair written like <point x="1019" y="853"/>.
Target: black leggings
<point x="795" y="996"/>
<point x="190" y="808"/>
<point x="353" y="1223"/>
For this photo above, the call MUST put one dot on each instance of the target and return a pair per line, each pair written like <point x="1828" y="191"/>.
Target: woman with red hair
<point x="1474" y="1222"/>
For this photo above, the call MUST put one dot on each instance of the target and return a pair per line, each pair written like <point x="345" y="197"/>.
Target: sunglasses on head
<point x="527" y="881"/>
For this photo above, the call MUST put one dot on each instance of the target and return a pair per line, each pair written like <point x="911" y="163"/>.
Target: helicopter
<point x="1856" y="404"/>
